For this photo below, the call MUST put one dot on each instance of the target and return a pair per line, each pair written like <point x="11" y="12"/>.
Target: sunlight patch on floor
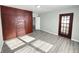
<point x="44" y="46"/>
<point x="14" y="43"/>
<point x="27" y="38"/>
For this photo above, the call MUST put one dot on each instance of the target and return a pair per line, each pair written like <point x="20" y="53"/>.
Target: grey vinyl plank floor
<point x="60" y="44"/>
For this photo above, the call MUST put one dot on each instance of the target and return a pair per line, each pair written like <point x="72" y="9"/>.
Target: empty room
<point x="39" y="28"/>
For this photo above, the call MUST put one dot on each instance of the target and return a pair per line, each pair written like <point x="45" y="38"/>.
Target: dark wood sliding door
<point x="65" y="25"/>
<point x="9" y="28"/>
<point x="20" y="26"/>
<point x="30" y="22"/>
<point x="15" y="22"/>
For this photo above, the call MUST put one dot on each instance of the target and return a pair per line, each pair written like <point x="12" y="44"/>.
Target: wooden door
<point x="15" y="22"/>
<point x="20" y="25"/>
<point x="28" y="22"/>
<point x="8" y="24"/>
<point x="65" y="25"/>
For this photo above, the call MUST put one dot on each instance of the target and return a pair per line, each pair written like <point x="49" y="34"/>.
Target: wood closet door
<point x="8" y="10"/>
<point x="20" y="26"/>
<point x="16" y="22"/>
<point x="8" y="24"/>
<point x="28" y="22"/>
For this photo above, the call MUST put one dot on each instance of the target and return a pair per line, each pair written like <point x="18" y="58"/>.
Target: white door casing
<point x="37" y="23"/>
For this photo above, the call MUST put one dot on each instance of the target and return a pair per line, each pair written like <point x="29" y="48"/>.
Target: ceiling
<point x="42" y="9"/>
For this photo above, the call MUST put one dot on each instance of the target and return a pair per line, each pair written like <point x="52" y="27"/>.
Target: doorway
<point x="33" y="24"/>
<point x="65" y="25"/>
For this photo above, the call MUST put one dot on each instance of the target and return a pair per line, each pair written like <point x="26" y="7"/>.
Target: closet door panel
<point x="8" y="10"/>
<point x="20" y="26"/>
<point x="15" y="22"/>
<point x="9" y="29"/>
<point x="30" y="22"/>
<point x="26" y="24"/>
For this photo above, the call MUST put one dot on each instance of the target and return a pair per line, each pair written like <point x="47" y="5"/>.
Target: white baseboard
<point x="76" y="40"/>
<point x="50" y="32"/>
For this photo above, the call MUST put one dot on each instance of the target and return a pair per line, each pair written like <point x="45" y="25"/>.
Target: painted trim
<point x="76" y="40"/>
<point x="50" y="32"/>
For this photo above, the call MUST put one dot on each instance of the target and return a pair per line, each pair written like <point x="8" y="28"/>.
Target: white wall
<point x="34" y="14"/>
<point x="50" y="21"/>
<point x="1" y="37"/>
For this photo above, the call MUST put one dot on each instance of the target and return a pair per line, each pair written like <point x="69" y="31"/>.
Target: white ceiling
<point x="42" y="9"/>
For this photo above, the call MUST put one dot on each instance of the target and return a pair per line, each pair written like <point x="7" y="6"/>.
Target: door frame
<point x="70" y="25"/>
